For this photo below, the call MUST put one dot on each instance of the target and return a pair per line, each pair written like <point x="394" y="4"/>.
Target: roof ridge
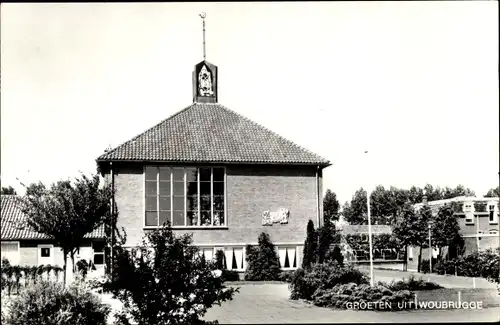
<point x="147" y="130"/>
<point x="270" y="131"/>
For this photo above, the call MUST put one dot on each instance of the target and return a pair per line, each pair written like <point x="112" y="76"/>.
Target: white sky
<point x="414" y="83"/>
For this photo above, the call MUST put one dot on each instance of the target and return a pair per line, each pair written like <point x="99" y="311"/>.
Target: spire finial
<point x="203" y="15"/>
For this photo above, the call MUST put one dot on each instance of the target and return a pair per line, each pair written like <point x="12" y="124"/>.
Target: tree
<point x="8" y="191"/>
<point x="310" y="246"/>
<point x="67" y="211"/>
<point x="262" y="261"/>
<point x="330" y="207"/>
<point x="354" y="212"/>
<point x="445" y="229"/>
<point x="325" y="237"/>
<point x="460" y="190"/>
<point x="493" y="192"/>
<point x="167" y="281"/>
<point x="411" y="227"/>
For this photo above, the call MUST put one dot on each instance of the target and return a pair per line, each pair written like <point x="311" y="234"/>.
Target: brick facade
<point x="250" y="191"/>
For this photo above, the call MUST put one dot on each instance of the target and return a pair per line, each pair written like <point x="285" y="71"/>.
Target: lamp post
<point x="370" y="243"/>
<point x="430" y="245"/>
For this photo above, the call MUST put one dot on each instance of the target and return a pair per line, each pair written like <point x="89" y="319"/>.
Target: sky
<point x="413" y="83"/>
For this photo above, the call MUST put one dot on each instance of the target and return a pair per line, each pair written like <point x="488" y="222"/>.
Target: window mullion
<point x="212" y="196"/>
<point x="185" y="197"/>
<point x="198" y="222"/>
<point x="158" y="196"/>
<point x="171" y="197"/>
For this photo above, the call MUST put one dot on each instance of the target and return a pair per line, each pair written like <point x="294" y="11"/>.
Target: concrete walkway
<point x="270" y="303"/>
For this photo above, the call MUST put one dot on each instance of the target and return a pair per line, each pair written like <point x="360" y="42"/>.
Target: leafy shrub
<point x="230" y="275"/>
<point x="343" y="296"/>
<point x="411" y="284"/>
<point x="477" y="264"/>
<point x="323" y="276"/>
<point x="262" y="261"/>
<point x="50" y="303"/>
<point x="335" y="254"/>
<point x="166" y="281"/>
<point x="286" y="276"/>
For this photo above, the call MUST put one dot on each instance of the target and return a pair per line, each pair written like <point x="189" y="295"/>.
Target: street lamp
<point x="430" y="245"/>
<point x="369" y="233"/>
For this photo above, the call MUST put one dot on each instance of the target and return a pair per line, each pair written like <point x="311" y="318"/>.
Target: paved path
<point x="269" y="303"/>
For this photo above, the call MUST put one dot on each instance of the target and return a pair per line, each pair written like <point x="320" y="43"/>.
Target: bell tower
<point x="205" y="77"/>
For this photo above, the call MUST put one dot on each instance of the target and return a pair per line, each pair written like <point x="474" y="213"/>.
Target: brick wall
<point x="250" y="191"/>
<point x="471" y="229"/>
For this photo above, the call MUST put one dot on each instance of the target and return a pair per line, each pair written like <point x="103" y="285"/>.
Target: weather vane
<point x="203" y="15"/>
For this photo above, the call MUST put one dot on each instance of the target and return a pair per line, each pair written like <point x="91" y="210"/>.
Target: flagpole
<point x="369" y="231"/>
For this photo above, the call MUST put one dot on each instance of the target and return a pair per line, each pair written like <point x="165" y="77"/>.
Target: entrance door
<point x="45" y="254"/>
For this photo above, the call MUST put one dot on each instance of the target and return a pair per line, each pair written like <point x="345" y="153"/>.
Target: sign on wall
<point x="270" y="218"/>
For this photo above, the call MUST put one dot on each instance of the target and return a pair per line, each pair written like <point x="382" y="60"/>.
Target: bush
<point x="477" y="264"/>
<point x="323" y="276"/>
<point x="411" y="284"/>
<point x="286" y="276"/>
<point x="262" y="261"/>
<point x="50" y="303"/>
<point x="343" y="296"/>
<point x="230" y="275"/>
<point x="167" y="281"/>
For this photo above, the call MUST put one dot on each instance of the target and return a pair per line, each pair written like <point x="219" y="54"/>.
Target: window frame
<point x="39" y="252"/>
<point x="184" y="168"/>
<point x="18" y="251"/>
<point x="103" y="253"/>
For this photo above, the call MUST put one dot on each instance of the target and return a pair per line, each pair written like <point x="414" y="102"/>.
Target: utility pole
<point x="369" y="232"/>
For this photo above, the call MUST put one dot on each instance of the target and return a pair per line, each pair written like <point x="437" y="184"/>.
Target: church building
<point x="214" y="173"/>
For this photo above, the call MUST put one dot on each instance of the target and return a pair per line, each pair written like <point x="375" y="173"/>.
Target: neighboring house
<point x="478" y="219"/>
<point x="23" y="246"/>
<point x="211" y="172"/>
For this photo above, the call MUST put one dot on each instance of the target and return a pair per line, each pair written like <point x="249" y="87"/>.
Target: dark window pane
<point x="218" y="174"/>
<point x="178" y="188"/>
<point x="191" y="174"/>
<point x="205" y="202"/>
<point x="98" y="246"/>
<point x="218" y="188"/>
<point x="219" y="203"/>
<point x="151" y="188"/>
<point x="99" y="259"/>
<point x="164" y="217"/>
<point x="218" y="218"/>
<point x="151" y="173"/>
<point x="45" y="252"/>
<point x="192" y="188"/>
<point x="165" y="203"/>
<point x="192" y="218"/>
<point x="205" y="174"/>
<point x="151" y="219"/>
<point x="151" y="203"/>
<point x="206" y="218"/>
<point x="192" y="203"/>
<point x="178" y="174"/>
<point x="179" y="203"/>
<point x="165" y="174"/>
<point x="205" y="188"/>
<point x="178" y="218"/>
<point x="165" y="188"/>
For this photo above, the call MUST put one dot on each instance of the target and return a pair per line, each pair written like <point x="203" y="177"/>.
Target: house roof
<point x="211" y="133"/>
<point x="363" y="229"/>
<point x="14" y="225"/>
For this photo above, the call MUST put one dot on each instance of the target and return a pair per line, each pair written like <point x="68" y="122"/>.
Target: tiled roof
<point x="211" y="133"/>
<point x="14" y="226"/>
<point x="363" y="229"/>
